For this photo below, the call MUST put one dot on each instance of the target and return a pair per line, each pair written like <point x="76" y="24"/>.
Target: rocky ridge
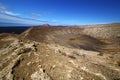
<point x="61" y="53"/>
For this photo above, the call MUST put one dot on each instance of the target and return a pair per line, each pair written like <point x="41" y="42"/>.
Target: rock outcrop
<point x="61" y="53"/>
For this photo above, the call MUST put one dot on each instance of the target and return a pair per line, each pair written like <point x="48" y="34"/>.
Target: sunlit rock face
<point x="61" y="53"/>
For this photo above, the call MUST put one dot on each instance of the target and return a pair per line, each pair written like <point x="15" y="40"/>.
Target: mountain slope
<point x="61" y="53"/>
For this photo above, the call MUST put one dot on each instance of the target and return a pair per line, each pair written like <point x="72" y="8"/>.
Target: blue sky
<point x="60" y="12"/>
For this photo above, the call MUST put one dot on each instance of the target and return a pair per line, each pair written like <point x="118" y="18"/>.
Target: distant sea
<point x="14" y="29"/>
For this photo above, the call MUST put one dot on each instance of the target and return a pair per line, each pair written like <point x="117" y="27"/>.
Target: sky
<point x="59" y="12"/>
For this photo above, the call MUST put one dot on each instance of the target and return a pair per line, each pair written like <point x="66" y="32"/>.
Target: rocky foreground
<point x="61" y="53"/>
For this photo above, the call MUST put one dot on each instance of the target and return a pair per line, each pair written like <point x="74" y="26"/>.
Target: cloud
<point x="14" y="19"/>
<point x="7" y="16"/>
<point x="11" y="13"/>
<point x="5" y="10"/>
<point x="35" y="15"/>
<point x="3" y="7"/>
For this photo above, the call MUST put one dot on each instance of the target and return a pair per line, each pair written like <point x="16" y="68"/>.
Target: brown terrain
<point x="90" y="52"/>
